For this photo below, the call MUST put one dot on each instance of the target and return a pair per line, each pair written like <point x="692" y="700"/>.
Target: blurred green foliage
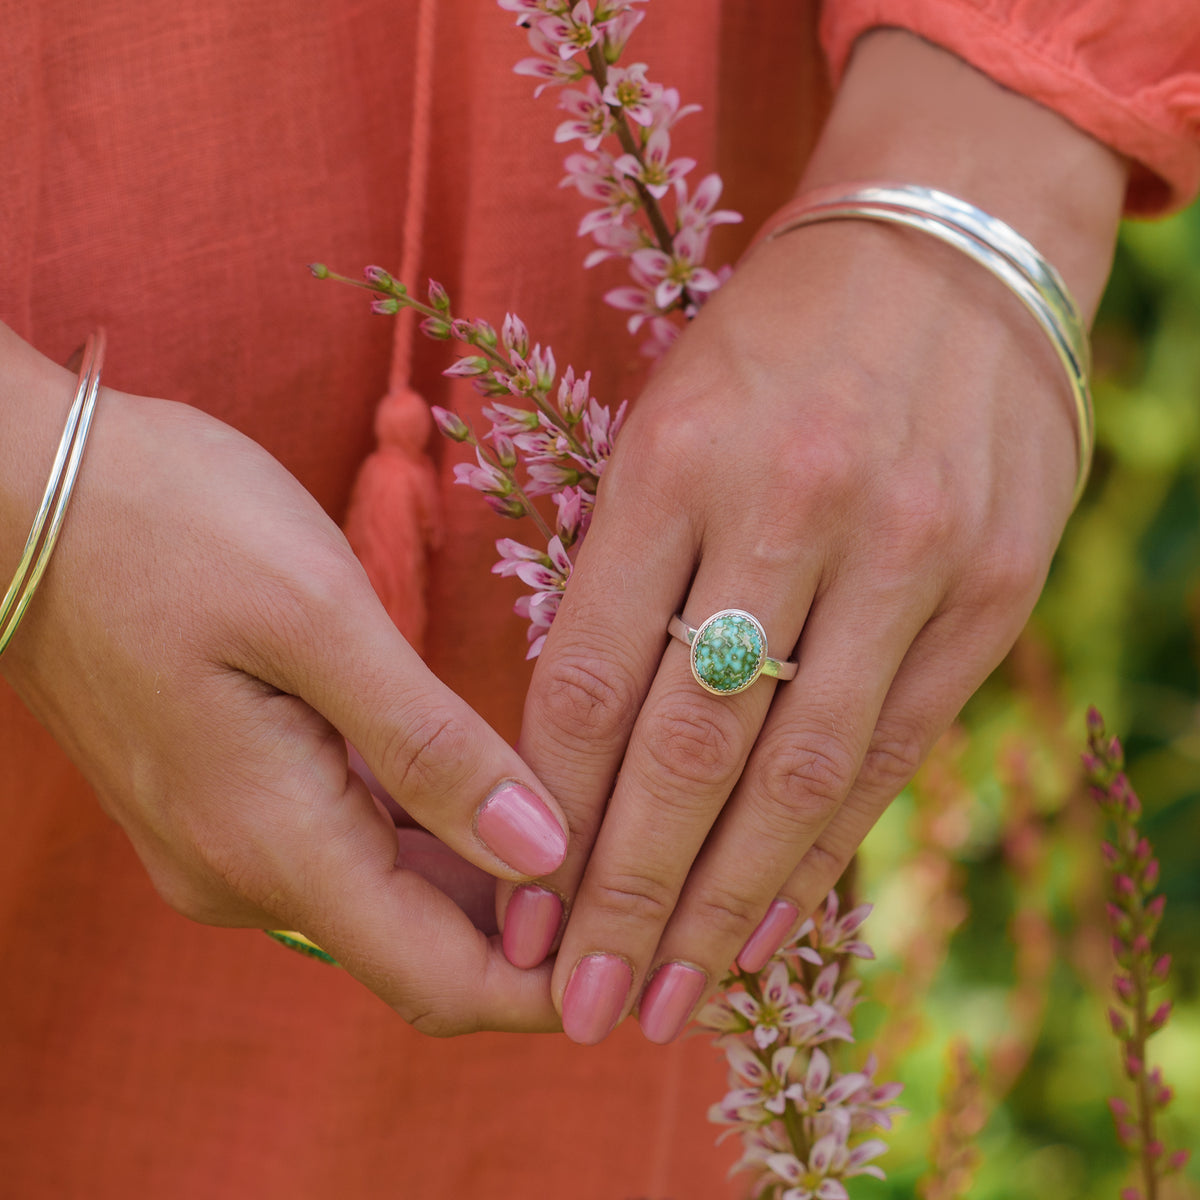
<point x="1119" y="627"/>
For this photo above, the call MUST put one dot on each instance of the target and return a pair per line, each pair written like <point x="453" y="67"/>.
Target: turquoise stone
<point x="728" y="652"/>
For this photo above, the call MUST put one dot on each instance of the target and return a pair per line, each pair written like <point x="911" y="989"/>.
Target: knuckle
<point x="586" y="700"/>
<point x="691" y="742"/>
<point x="805" y="781"/>
<point x="828" y="467"/>
<point x="727" y="914"/>
<point x="891" y="761"/>
<point x="919" y="515"/>
<point x="1008" y="578"/>
<point x="632" y="898"/>
<point x="429" y="752"/>
<point x="819" y="871"/>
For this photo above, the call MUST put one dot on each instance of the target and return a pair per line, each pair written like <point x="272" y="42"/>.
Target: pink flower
<point x="628" y="89"/>
<point x="617" y="27"/>
<point x="570" y="32"/>
<point x="699" y="211"/>
<point x="513" y="555"/>
<point x="681" y="269"/>
<point x="614" y="238"/>
<point x="591" y="118"/>
<point x="549" y="65"/>
<point x="486" y="477"/>
<point x="656" y="171"/>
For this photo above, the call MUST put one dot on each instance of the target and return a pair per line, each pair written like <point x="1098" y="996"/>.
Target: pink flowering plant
<point x="805" y="1125"/>
<point x="1134" y="914"/>
<point x="548" y="435"/>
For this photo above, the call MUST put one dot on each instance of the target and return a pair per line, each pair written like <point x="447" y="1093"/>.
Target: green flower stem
<point x="406" y="300"/>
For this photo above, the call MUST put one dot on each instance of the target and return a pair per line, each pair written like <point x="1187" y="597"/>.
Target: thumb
<point x="432" y="753"/>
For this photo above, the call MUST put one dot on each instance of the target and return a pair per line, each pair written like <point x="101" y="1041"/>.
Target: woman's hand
<point x="203" y="645"/>
<point x="867" y="443"/>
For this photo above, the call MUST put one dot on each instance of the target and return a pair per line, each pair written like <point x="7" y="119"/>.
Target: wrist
<point x="910" y="112"/>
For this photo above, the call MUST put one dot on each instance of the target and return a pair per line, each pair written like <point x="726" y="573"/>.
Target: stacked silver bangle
<point x="48" y="519"/>
<point x="992" y="244"/>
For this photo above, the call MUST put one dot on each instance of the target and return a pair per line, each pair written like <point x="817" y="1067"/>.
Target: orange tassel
<point x="392" y="522"/>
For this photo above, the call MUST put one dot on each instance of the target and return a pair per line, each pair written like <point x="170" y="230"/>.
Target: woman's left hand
<point x="865" y="442"/>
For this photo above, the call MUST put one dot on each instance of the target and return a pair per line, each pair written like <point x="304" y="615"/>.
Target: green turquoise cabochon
<point x="728" y="652"/>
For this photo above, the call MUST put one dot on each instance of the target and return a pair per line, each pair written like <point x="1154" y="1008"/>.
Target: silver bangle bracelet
<point x="48" y="519"/>
<point x="992" y="244"/>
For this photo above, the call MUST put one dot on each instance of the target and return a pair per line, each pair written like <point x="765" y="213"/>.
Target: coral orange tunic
<point x="167" y="172"/>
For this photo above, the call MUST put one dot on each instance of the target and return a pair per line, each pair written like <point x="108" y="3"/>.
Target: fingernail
<point x="769" y="936"/>
<point x="595" y="997"/>
<point x="518" y="828"/>
<point x="530" y="924"/>
<point x="668" y="1001"/>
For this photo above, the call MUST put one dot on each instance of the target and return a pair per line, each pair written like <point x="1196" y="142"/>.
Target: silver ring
<point x="729" y="651"/>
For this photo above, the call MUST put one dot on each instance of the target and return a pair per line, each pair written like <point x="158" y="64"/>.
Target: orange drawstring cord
<point x="392" y="520"/>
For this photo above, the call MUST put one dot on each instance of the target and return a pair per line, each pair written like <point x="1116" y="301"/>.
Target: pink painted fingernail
<point x="530" y="924"/>
<point x="668" y="1001"/>
<point x="769" y="936"/>
<point x="518" y="828"/>
<point x="595" y="997"/>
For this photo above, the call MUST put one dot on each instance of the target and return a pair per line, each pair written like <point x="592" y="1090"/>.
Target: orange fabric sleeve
<point x="1128" y="74"/>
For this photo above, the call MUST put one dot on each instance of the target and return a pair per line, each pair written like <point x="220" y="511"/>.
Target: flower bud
<point x="468" y="367"/>
<point x="1176" y="1161"/>
<point x="450" y="424"/>
<point x="1159" y="1017"/>
<point x="515" y="335"/>
<point x="439" y="298"/>
<point x="1160" y="969"/>
<point x="1123" y="986"/>
<point x="507" y="506"/>
<point x="319" y="270"/>
<point x="1150" y="875"/>
<point x="1124" y="886"/>
<point x="386" y="306"/>
<point x="506" y="452"/>
<point x="378" y="278"/>
<point x="1118" y="1023"/>
<point x="436" y="328"/>
<point x="1095" y="723"/>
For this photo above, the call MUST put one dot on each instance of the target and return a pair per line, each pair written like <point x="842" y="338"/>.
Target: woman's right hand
<point x="203" y="645"/>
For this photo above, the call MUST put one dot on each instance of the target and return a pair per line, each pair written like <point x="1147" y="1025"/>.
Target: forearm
<point x="910" y="112"/>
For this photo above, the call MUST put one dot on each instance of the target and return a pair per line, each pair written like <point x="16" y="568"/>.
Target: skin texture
<point x="203" y="662"/>
<point x="863" y="441"/>
<point x="867" y="443"/>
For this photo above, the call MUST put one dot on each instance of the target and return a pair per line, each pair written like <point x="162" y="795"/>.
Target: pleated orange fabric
<point x="167" y="171"/>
